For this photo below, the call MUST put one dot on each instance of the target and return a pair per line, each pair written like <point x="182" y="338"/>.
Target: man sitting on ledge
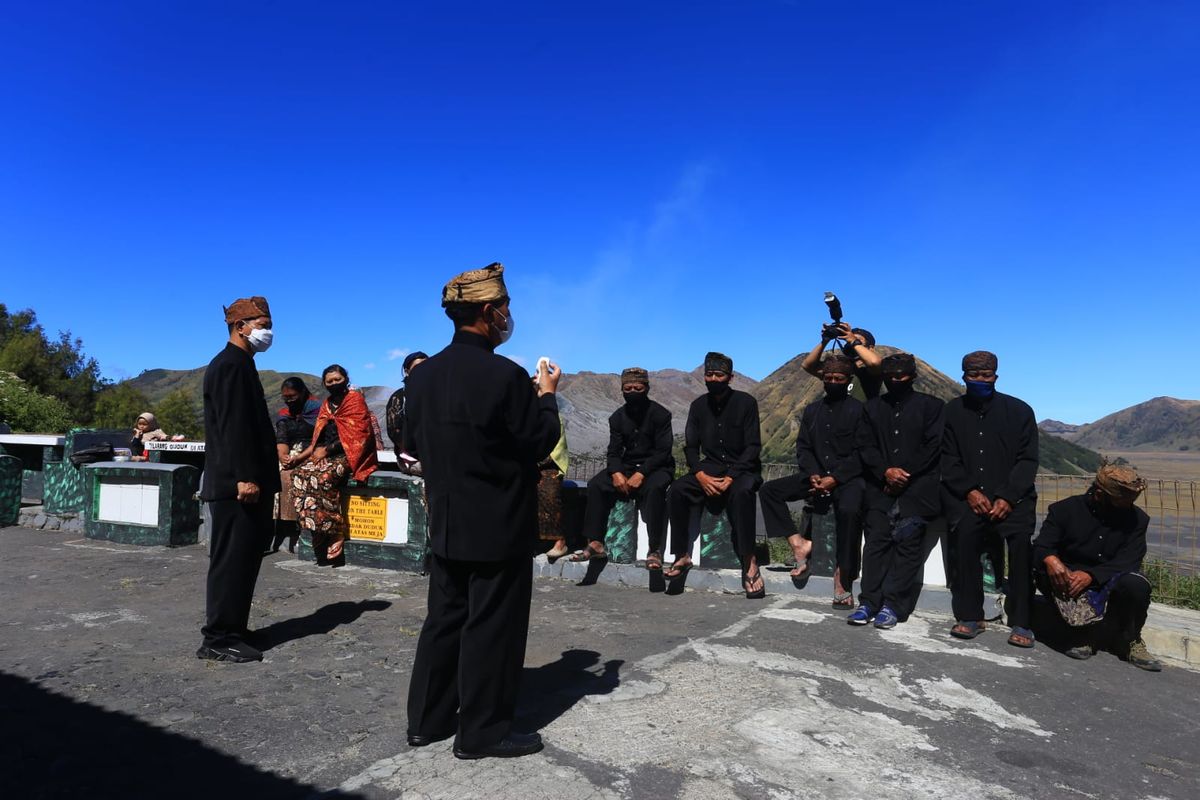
<point x="1088" y="558"/>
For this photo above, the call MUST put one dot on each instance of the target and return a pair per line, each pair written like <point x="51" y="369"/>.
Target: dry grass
<point x="1165" y="466"/>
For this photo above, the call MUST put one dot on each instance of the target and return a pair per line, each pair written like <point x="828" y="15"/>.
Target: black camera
<point x="833" y="330"/>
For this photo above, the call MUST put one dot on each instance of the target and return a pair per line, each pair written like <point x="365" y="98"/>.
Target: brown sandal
<point x="589" y="554"/>
<point x="653" y="561"/>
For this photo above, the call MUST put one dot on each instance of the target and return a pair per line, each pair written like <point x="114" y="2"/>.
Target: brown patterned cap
<point x="718" y="362"/>
<point x="837" y="364"/>
<point x="899" y="364"/>
<point x="247" y="308"/>
<point x="635" y="375"/>
<point x="1120" y="481"/>
<point x="476" y="286"/>
<point x="980" y="360"/>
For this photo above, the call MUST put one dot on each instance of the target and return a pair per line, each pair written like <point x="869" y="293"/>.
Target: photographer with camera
<point x="857" y="344"/>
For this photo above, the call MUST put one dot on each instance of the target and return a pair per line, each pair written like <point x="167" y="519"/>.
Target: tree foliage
<point x="50" y="367"/>
<point x="177" y="414"/>
<point x="119" y="405"/>
<point x="26" y="410"/>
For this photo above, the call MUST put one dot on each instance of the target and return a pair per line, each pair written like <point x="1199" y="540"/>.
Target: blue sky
<point x="659" y="179"/>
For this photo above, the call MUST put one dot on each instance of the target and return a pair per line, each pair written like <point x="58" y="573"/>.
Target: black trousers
<point x="686" y="500"/>
<point x="471" y="650"/>
<point x="971" y="536"/>
<point x="847" y="501"/>
<point x="651" y="500"/>
<point x="1124" y="617"/>
<point x="891" y="570"/>
<point x="240" y="533"/>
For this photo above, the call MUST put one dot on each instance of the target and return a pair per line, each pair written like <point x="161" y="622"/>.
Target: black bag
<point x="92" y="455"/>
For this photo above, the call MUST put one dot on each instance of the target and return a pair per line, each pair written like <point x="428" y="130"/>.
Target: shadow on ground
<point x="549" y="691"/>
<point x="321" y="621"/>
<point x="54" y="747"/>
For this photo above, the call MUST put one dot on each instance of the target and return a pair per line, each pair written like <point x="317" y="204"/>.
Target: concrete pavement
<point x="701" y="695"/>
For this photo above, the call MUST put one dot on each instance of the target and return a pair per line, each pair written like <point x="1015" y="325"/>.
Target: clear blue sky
<point x="659" y="179"/>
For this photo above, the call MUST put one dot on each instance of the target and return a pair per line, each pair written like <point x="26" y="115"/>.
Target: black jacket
<point x="1100" y="542"/>
<point x="907" y="433"/>
<point x="239" y="440"/>
<point x="479" y="429"/>
<point x="991" y="446"/>
<point x="640" y="442"/>
<point x="723" y="438"/>
<point x="832" y="436"/>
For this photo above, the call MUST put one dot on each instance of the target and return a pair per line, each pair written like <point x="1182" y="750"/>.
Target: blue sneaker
<point x="861" y="616"/>
<point x="886" y="619"/>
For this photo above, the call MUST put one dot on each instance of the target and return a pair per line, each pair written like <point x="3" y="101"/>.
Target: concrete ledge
<point x="1172" y="634"/>
<point x="37" y="518"/>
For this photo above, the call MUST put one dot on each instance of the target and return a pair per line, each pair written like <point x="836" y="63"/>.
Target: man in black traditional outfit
<point x="989" y="463"/>
<point x="480" y="431"/>
<point x="833" y="432"/>
<point x="901" y="472"/>
<point x="722" y="444"/>
<point x="1088" y="558"/>
<point x="241" y="475"/>
<point x="640" y="467"/>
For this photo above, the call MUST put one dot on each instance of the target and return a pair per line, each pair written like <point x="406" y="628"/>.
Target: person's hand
<point x="896" y="478"/>
<point x="547" y="381"/>
<point x="137" y="435"/>
<point x="709" y="484"/>
<point x="979" y="503"/>
<point x="814" y="482"/>
<point x="335" y="548"/>
<point x="319" y="453"/>
<point x="620" y="483"/>
<point x="1000" y="510"/>
<point x="723" y="484"/>
<point x="635" y="481"/>
<point x="1079" y="581"/>
<point x="247" y="492"/>
<point x="1059" y="575"/>
<point x="827" y="484"/>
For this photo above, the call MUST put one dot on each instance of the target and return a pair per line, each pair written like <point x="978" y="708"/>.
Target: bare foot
<point x="801" y="549"/>
<point x="681" y="564"/>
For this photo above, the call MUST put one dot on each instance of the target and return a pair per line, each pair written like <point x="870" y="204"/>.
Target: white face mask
<point x="510" y="324"/>
<point x="260" y="339"/>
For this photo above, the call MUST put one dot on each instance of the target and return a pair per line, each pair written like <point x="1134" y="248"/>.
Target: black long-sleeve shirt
<point x="722" y="437"/>
<point x="990" y="445"/>
<point x="480" y="431"/>
<point x="640" y="440"/>
<point x="832" y="435"/>
<point x="1100" y="541"/>
<point x="239" y="440"/>
<point x="907" y="433"/>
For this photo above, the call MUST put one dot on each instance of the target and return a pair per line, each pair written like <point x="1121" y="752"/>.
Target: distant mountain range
<point x="587" y="399"/>
<point x="1160" y="424"/>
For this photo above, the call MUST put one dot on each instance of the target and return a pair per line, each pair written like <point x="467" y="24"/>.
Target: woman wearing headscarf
<point x="145" y="429"/>
<point x="294" y="426"/>
<point x="343" y="447"/>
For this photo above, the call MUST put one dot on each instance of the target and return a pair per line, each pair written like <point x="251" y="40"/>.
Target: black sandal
<point x="747" y="581"/>
<point x="588" y="554"/>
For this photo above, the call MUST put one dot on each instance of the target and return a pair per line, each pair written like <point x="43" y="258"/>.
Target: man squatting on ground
<point x="902" y="484"/>
<point x="480" y="431"/>
<point x="722" y="443"/>
<point x="640" y="467"/>
<point x="989" y="463"/>
<point x="1088" y="557"/>
<point x="833" y="432"/>
<point x="241" y="476"/>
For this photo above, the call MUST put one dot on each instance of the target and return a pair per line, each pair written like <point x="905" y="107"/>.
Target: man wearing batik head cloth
<point x="833" y="434"/>
<point x="480" y="432"/>
<point x="722" y="444"/>
<point x="989" y="462"/>
<point x="640" y="467"/>
<point x="1088" y="557"/>
<point x="241" y="476"/>
<point x="901" y="472"/>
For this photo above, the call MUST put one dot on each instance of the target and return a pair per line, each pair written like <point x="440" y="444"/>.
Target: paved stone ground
<point x="696" y="696"/>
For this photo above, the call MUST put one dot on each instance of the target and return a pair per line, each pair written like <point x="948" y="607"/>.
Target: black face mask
<point x="636" y="400"/>
<point x="837" y="391"/>
<point x="718" y="388"/>
<point x="898" y="388"/>
<point x="296" y="406"/>
<point x="338" y="390"/>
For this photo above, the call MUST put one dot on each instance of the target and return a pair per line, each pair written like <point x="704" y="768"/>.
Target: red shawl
<point x="353" y="421"/>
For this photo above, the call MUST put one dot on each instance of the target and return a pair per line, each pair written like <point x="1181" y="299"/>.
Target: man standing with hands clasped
<point x="479" y="430"/>
<point x="241" y="475"/>
<point x="989" y="463"/>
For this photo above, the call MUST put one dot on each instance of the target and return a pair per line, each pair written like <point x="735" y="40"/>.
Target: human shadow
<point x="53" y="746"/>
<point x="594" y="567"/>
<point x="323" y="620"/>
<point x="549" y="691"/>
